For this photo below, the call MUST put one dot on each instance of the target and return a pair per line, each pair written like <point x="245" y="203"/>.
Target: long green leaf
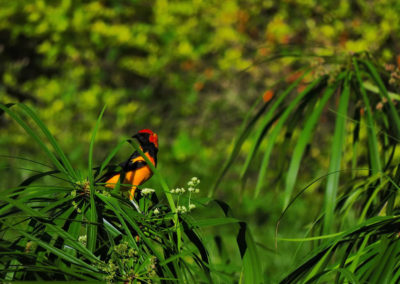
<point x="332" y="183"/>
<point x="372" y="139"/>
<point x="359" y="253"/>
<point x="91" y="146"/>
<point x="304" y="138"/>
<point x="312" y="238"/>
<point x="251" y="263"/>
<point x="321" y="264"/>
<point x="92" y="227"/>
<point x="371" y="199"/>
<point x="35" y="137"/>
<point x="51" y="139"/>
<point x="266" y="120"/>
<point x="271" y="139"/>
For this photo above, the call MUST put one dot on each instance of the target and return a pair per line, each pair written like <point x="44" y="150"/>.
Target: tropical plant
<point x="355" y="236"/>
<point x="59" y="224"/>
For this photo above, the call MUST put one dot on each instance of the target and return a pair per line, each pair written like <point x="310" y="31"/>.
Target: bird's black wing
<point x="126" y="164"/>
<point x="112" y="170"/>
<point x="123" y="167"/>
<point x="129" y="165"/>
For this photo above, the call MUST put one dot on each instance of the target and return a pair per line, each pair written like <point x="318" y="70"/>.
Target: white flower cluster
<point x="181" y="209"/>
<point x="82" y="239"/>
<point x="194" y="181"/>
<point x="147" y="191"/>
<point x="192" y="184"/>
<point x="178" y="190"/>
<point x="156" y="211"/>
<point x="192" y="189"/>
<point x="184" y="209"/>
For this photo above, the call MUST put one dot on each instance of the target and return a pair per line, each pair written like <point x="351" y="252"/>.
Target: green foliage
<point x="145" y="62"/>
<point x="75" y="229"/>
<point x="359" y="216"/>
<point x="364" y="252"/>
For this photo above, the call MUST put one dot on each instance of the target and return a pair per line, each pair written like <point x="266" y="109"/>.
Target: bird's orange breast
<point x="135" y="177"/>
<point x="139" y="176"/>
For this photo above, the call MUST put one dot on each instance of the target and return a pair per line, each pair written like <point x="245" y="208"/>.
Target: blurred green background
<point x="188" y="70"/>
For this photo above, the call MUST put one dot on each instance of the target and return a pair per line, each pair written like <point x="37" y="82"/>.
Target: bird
<point x="135" y="171"/>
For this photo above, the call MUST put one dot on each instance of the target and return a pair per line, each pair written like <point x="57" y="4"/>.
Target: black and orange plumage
<point x="135" y="170"/>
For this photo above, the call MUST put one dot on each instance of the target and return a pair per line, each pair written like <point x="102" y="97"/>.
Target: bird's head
<point x="146" y="136"/>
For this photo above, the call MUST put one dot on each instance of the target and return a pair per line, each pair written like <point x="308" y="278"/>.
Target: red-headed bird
<point x="135" y="170"/>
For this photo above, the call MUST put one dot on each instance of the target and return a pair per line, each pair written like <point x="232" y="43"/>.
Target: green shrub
<point x="59" y="224"/>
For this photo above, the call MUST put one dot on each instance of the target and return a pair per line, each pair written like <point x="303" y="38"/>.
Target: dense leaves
<point x="359" y="218"/>
<point x="80" y="230"/>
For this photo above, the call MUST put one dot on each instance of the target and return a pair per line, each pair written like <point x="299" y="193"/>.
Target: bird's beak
<point x="130" y="140"/>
